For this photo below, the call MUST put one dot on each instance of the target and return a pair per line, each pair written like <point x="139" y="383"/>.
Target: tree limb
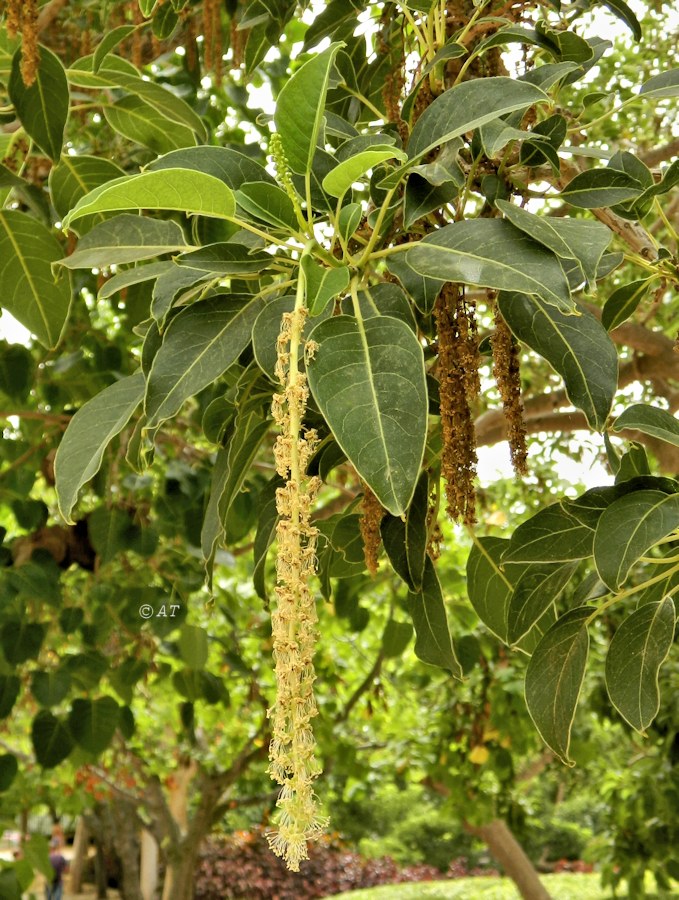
<point x="49" y="13"/>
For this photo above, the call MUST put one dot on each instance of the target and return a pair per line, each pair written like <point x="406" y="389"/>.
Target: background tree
<point x="434" y="244"/>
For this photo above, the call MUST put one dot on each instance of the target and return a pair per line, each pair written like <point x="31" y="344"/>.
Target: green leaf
<point x="300" y="107"/>
<point x="663" y="85"/>
<point x="227" y="259"/>
<point x="551" y="535"/>
<point x="110" y="531"/>
<point x="10" y="686"/>
<point x="577" y="347"/>
<point x="623" y="12"/>
<point x="575" y="239"/>
<point x="142" y="123"/>
<point x="89" y="432"/>
<point x="265" y="534"/>
<point x="190" y="192"/>
<point x="232" y="465"/>
<point x="75" y="176"/>
<point x="265" y="333"/>
<point x="538" y="587"/>
<point x="468" y="105"/>
<point x="339" y="180"/>
<point x="50" y="687"/>
<point x="600" y="187"/>
<point x="622" y="303"/>
<point x="433" y="643"/>
<point x="554" y="679"/>
<point x="395" y="639"/>
<point x="109" y="42"/>
<point x="193" y="647"/>
<point x="268" y="202"/>
<point x="638" y="649"/>
<point x="322" y="284"/>
<point x="21" y="640"/>
<point x="36" y="852"/>
<point x="200" y="344"/>
<point x="393" y="533"/>
<point x="494" y="254"/>
<point x="42" y="107"/>
<point x="124" y="239"/>
<point x="416" y="534"/>
<point x="28" y="289"/>
<point x="93" y="723"/>
<point x="649" y="420"/>
<point x="369" y="382"/>
<point x="488" y="585"/>
<point x="233" y="168"/>
<point x="52" y="741"/>
<point x="8" y="771"/>
<point x="628" y="528"/>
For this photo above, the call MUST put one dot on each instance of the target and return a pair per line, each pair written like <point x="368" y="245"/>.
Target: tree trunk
<point x="126" y="843"/>
<point x="181" y="873"/>
<point x="80" y="845"/>
<point x="149" y="865"/>
<point x="509" y="853"/>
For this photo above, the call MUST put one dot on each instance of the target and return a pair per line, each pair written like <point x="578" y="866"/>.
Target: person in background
<point x="54" y="890"/>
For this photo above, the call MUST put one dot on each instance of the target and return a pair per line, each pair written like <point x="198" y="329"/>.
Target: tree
<point x="329" y="291"/>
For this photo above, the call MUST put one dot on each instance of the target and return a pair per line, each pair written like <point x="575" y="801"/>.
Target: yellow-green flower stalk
<point x="293" y="762"/>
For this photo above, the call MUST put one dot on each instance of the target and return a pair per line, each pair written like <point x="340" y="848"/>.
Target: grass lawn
<point x="561" y="887"/>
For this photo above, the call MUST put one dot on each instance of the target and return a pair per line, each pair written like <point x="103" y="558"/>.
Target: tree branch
<point x="49" y="13"/>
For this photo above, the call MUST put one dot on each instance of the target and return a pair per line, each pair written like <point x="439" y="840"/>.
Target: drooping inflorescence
<point x="292" y="752"/>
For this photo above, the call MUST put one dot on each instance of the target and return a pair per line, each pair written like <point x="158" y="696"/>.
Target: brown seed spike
<point x="506" y="369"/>
<point x="13" y="21"/>
<point x="372" y="514"/>
<point x="458" y="385"/>
<point x="30" y="54"/>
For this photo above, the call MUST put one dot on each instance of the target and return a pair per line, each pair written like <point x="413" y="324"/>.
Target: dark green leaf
<point x="623" y="12"/>
<point x="433" y="643"/>
<point x="578" y="348"/>
<point x="395" y="639"/>
<point x="416" y="533"/>
<point x="124" y="239"/>
<point x="21" y="640"/>
<point x="109" y="42"/>
<point x="51" y="739"/>
<point x="50" y="687"/>
<point x="42" y="107"/>
<point x="28" y="289"/>
<point x="622" y="303"/>
<point x="539" y="586"/>
<point x="323" y="285"/>
<point x="88" y="434"/>
<point x="8" y="770"/>
<point x="75" y="176"/>
<point x="368" y="379"/>
<point x="554" y="679"/>
<point x="10" y="686"/>
<point x="269" y="203"/>
<point x="488" y="585"/>
<point x="140" y="122"/>
<point x="494" y="254"/>
<point x="93" y="723"/>
<point x="227" y="259"/>
<point x="649" y="420"/>
<point x="468" y="105"/>
<point x="569" y="238"/>
<point x="200" y="344"/>
<point x="628" y="528"/>
<point x="638" y="649"/>
<point x="665" y="84"/>
<point x="551" y="535"/>
<point x="229" y="166"/>
<point x="600" y="187"/>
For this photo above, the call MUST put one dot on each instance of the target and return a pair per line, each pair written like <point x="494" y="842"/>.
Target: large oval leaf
<point x="538" y="587"/>
<point x="638" y="649"/>
<point x="551" y="535"/>
<point x="75" y="176"/>
<point x="124" y="239"/>
<point x="200" y="344"/>
<point x="51" y="739"/>
<point x="554" y="679"/>
<point x="628" y="528"/>
<point x="88" y="434"/>
<point x="493" y="254"/>
<point x="577" y="347"/>
<point x="339" y="180"/>
<point x="191" y="192"/>
<point x="93" y="723"/>
<point x="42" y="107"/>
<point x="28" y="289"/>
<point x="468" y="105"/>
<point x="488" y="585"/>
<point x="368" y="379"/>
<point x="300" y="107"/>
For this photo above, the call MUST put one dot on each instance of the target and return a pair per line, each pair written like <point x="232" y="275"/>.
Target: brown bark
<point x="80" y="845"/>
<point x="509" y="853"/>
